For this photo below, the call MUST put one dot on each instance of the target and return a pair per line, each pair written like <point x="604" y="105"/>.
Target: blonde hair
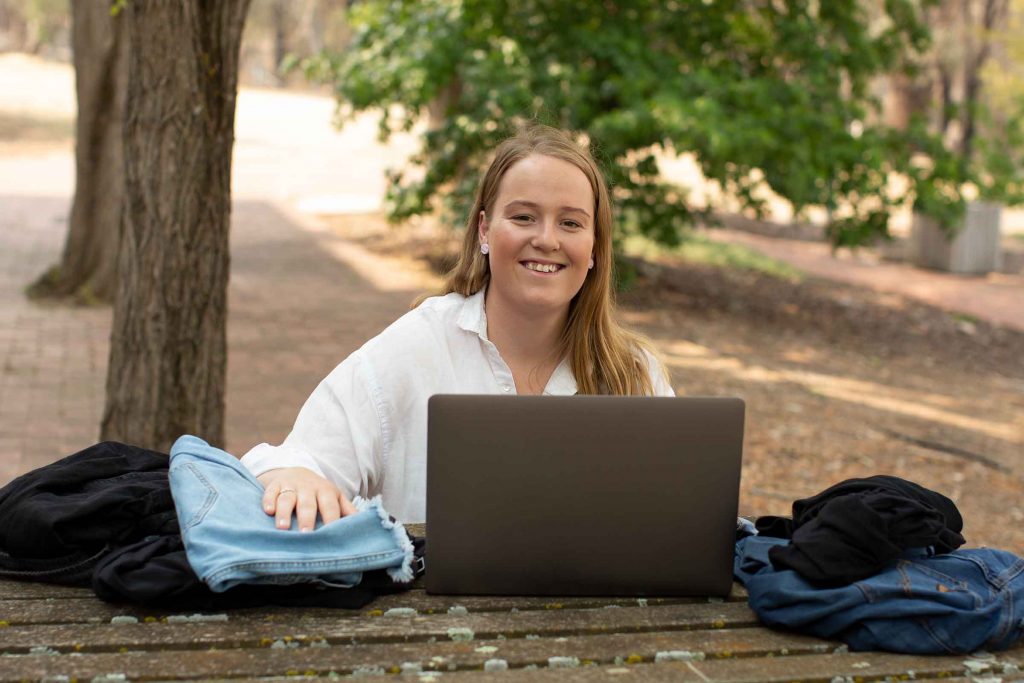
<point x="605" y="357"/>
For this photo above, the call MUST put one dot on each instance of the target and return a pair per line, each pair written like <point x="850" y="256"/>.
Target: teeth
<point x="542" y="267"/>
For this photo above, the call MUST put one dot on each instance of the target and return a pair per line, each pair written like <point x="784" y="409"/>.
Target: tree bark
<point x="88" y="267"/>
<point x="168" y="350"/>
<point x="279" y="17"/>
<point x="993" y="12"/>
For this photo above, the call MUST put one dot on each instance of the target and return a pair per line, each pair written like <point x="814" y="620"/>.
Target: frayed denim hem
<point x="404" y="573"/>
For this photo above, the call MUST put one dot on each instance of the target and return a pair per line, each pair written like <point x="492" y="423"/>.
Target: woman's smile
<point x="543" y="267"/>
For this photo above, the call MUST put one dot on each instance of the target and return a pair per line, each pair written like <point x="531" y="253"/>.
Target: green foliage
<point x="764" y="94"/>
<point x="699" y="249"/>
<point x="1000" y="154"/>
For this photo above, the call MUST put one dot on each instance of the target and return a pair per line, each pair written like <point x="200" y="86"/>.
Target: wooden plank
<point x="236" y="633"/>
<point x="22" y="590"/>
<point x="83" y="611"/>
<point x="392" y="657"/>
<point x="849" y="667"/>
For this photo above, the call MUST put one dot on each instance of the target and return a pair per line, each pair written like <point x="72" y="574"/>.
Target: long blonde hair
<point x="605" y="357"/>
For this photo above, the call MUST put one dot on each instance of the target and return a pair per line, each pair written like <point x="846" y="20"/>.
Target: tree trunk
<point x="168" y="344"/>
<point x="279" y="16"/>
<point x="86" y="272"/>
<point x="993" y="12"/>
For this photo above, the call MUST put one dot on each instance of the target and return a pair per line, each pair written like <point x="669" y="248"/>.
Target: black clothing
<point x="59" y="520"/>
<point x="156" y="571"/>
<point x="105" y="517"/>
<point x="855" y="528"/>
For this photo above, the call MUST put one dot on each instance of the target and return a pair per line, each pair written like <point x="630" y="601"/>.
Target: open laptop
<point x="582" y="495"/>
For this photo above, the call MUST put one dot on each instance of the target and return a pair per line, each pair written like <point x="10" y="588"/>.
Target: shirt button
<point x="506" y="388"/>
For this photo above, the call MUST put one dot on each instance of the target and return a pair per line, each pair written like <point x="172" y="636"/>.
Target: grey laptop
<point x="582" y="495"/>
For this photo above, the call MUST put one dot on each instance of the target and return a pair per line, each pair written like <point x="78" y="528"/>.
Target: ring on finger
<point x="284" y="491"/>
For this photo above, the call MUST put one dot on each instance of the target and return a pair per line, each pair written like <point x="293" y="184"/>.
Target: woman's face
<point x="540" y="235"/>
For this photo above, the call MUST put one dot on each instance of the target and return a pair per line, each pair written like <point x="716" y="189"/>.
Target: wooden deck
<point x="65" y="634"/>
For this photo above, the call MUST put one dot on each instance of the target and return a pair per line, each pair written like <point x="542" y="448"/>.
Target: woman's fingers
<point x="285" y="505"/>
<point x="305" y="509"/>
<point x="329" y="503"/>
<point x="347" y="508"/>
<point x="270" y="497"/>
<point x="302" y="493"/>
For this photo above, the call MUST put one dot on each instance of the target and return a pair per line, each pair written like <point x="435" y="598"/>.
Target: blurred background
<point x="818" y="211"/>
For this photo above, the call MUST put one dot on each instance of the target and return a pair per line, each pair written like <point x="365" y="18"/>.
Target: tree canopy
<point x="774" y="93"/>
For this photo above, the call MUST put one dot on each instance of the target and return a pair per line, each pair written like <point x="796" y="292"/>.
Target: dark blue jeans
<point x="953" y="603"/>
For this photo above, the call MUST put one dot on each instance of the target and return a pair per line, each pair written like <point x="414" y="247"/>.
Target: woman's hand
<point x="303" y="492"/>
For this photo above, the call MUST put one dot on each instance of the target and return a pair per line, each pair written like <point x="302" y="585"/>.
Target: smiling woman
<point x="540" y="248"/>
<point x="527" y="309"/>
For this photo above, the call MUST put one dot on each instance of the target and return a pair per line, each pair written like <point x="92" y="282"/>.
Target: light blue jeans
<point x="229" y="540"/>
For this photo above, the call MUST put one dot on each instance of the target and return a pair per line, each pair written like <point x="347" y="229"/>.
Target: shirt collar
<point x="473" y="318"/>
<point x="562" y="382"/>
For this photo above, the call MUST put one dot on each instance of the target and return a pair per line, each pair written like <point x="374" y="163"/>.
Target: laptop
<point x="582" y="495"/>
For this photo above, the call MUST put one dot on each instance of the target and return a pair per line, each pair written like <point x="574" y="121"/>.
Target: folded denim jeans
<point x="952" y="603"/>
<point x="229" y="540"/>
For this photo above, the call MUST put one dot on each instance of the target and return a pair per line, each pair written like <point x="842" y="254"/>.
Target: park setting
<point x="205" y="207"/>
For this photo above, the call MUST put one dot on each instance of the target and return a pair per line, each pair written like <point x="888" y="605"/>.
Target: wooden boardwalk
<point x="56" y="633"/>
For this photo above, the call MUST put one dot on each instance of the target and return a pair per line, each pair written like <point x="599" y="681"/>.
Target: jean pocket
<point x="917" y="581"/>
<point x="194" y="495"/>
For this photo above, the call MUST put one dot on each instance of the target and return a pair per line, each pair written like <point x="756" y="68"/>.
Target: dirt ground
<point x="839" y="381"/>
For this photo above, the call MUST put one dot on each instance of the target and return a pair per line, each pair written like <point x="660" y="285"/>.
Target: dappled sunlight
<point x="384" y="273"/>
<point x="924" y="405"/>
<point x="803" y="355"/>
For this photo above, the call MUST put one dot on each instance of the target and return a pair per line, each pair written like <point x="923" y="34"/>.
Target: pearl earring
<point x="591" y="265"/>
<point x="484" y="249"/>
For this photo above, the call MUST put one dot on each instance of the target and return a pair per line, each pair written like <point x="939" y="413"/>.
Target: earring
<point x="590" y="266"/>
<point x="484" y="249"/>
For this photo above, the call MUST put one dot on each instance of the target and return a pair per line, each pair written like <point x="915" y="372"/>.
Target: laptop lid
<point x="582" y="495"/>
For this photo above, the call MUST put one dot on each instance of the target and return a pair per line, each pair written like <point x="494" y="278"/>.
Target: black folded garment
<point x="156" y="572"/>
<point x="59" y="520"/>
<point x="856" y="527"/>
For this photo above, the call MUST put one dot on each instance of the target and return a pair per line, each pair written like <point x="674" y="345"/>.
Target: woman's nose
<point x="546" y="236"/>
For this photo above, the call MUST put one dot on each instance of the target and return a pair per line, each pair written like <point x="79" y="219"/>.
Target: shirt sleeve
<point x="337" y="434"/>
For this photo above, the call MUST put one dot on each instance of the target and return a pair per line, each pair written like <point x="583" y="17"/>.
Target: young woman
<point x="528" y="309"/>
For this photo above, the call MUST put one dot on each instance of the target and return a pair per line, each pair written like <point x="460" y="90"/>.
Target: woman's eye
<point x="572" y="224"/>
<point x="522" y="217"/>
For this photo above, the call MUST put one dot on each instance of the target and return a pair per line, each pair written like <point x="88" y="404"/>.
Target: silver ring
<point x="283" y="491"/>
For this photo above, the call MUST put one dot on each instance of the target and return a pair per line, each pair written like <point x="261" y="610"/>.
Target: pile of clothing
<point x="187" y="530"/>
<point x="877" y="564"/>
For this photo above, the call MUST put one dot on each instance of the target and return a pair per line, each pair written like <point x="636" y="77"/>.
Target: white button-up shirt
<point x="365" y="426"/>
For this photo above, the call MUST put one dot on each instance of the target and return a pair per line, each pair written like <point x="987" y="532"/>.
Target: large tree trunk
<point x="87" y="270"/>
<point x="168" y="350"/>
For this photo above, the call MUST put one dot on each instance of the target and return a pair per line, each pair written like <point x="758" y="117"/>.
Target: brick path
<point x="53" y="360"/>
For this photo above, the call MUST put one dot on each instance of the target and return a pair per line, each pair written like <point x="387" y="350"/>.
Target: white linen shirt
<point x="365" y="425"/>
